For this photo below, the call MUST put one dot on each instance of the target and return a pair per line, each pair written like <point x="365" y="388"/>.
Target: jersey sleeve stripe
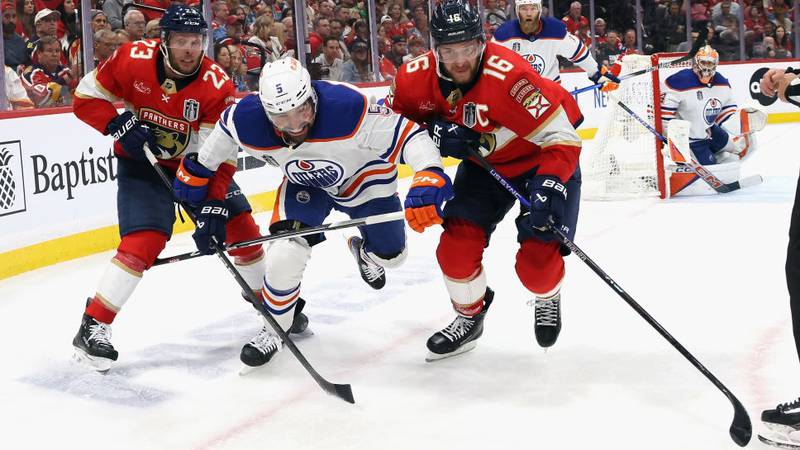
<point x="580" y="54"/>
<point x="364" y="186"/>
<point x="401" y="141"/>
<point x="394" y="139"/>
<point x="410" y="136"/>
<point x="355" y="184"/>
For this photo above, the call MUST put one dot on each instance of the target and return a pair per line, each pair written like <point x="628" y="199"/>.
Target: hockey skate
<point x="267" y="343"/>
<point x="372" y="273"/>
<point x="783" y="423"/>
<point x="461" y="335"/>
<point x="93" y="345"/>
<point x="547" y="319"/>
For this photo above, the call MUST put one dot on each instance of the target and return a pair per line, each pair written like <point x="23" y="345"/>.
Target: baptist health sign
<point x="12" y="179"/>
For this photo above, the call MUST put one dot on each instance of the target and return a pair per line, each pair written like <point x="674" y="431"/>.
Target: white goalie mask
<point x="288" y="97"/>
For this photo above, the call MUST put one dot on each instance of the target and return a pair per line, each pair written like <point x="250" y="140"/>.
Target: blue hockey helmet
<point x="455" y="21"/>
<point x="182" y="19"/>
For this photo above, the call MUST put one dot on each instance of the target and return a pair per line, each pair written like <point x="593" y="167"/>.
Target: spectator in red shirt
<point x="47" y="81"/>
<point x="599" y="31"/>
<point x="574" y="20"/>
<point x="26" y="11"/>
<point x="322" y="28"/>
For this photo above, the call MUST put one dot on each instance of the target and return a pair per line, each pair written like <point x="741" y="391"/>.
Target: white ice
<point x="709" y="269"/>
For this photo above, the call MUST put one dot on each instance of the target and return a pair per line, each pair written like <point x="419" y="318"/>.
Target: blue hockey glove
<point x="429" y="190"/>
<point x="606" y="78"/>
<point x="451" y="138"/>
<point x="191" y="180"/>
<point x="548" y="199"/>
<point x="131" y="134"/>
<point x="211" y="218"/>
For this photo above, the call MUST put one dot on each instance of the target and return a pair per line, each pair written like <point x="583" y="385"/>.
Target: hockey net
<point x="624" y="160"/>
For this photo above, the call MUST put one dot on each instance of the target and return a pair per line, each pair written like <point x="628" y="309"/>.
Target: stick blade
<point x="741" y="429"/>
<point x="343" y="391"/>
<point x="751" y="181"/>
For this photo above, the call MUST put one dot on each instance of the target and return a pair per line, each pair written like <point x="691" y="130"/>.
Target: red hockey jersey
<point x="180" y="112"/>
<point x="525" y="120"/>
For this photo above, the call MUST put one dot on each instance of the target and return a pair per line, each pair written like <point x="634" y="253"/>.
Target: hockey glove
<point x="429" y="190"/>
<point x="548" y="199"/>
<point x="451" y="138"/>
<point x="191" y="180"/>
<point x="131" y="134"/>
<point x="604" y="76"/>
<point x="211" y="218"/>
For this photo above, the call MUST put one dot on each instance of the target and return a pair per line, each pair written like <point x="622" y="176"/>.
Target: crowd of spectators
<point x="42" y="38"/>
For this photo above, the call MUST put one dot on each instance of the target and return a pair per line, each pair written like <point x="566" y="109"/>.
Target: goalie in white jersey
<point x="336" y="151"/>
<point x="540" y="40"/>
<point x="703" y="97"/>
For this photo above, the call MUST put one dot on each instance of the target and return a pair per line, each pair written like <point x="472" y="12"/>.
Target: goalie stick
<point x="700" y="42"/>
<point x="343" y="391"/>
<point x="696" y="167"/>
<point x="741" y="430"/>
<point x="378" y="218"/>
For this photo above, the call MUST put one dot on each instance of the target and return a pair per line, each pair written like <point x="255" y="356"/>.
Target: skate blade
<point x="245" y="370"/>
<point x="778" y="441"/>
<point x="431" y="357"/>
<point x="102" y="365"/>
<point x="305" y="334"/>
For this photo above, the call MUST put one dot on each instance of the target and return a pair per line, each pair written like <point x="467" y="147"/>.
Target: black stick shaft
<point x="343" y="391"/>
<point x="741" y="429"/>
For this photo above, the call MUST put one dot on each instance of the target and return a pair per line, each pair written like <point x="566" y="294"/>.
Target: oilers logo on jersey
<point x="712" y="109"/>
<point x="319" y="173"/>
<point x="536" y="61"/>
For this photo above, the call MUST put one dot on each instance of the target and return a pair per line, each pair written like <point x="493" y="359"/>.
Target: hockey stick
<point x="697" y="168"/>
<point x="378" y="218"/>
<point x="741" y="429"/>
<point x="700" y="42"/>
<point x="343" y="391"/>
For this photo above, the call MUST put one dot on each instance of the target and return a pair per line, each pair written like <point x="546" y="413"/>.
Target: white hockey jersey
<point x="702" y="105"/>
<point x="541" y="49"/>
<point x="351" y="152"/>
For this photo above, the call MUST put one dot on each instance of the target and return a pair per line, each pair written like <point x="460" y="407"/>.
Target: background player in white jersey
<point x="541" y="39"/>
<point x="337" y="151"/>
<point x="703" y="97"/>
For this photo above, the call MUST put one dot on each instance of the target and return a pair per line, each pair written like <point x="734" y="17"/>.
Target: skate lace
<point x="458" y="328"/>
<point x="266" y="342"/>
<point x="546" y="312"/>
<point x="100" y="333"/>
<point x="369" y="268"/>
<point x="783" y="407"/>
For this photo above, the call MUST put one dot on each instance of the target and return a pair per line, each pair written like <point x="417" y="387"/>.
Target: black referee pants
<point x="793" y="268"/>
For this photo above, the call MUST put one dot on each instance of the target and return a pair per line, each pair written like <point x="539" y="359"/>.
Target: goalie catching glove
<point x="429" y="190"/>
<point x="548" y="199"/>
<point x="604" y="76"/>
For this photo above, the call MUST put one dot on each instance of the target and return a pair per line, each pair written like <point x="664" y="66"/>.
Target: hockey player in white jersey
<point x="541" y="39"/>
<point x="703" y="97"/>
<point x="336" y="151"/>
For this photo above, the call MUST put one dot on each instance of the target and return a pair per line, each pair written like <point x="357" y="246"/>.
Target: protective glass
<point x="295" y="120"/>
<point x="450" y="53"/>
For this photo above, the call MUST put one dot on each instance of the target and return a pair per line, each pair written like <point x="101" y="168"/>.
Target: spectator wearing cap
<point x="105" y="42"/>
<point x="330" y="60"/>
<point x="134" y="24"/>
<point x="398" y="51"/>
<point x="357" y="69"/>
<point x="45" y="23"/>
<point x="47" y="81"/>
<point x="99" y="21"/>
<point x="15" y="49"/>
<point x="152" y="30"/>
<point x="26" y="11"/>
<point x="235" y="28"/>
<point x="599" y="31"/>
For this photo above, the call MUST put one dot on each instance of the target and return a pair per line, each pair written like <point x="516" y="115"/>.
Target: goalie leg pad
<point x="460" y="249"/>
<point x="540" y="266"/>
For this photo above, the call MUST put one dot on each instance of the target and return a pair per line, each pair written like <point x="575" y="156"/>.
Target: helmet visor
<point x="295" y="120"/>
<point x="459" y="51"/>
<point x="186" y="41"/>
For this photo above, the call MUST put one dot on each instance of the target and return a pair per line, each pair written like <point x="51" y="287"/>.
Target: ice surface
<point x="709" y="269"/>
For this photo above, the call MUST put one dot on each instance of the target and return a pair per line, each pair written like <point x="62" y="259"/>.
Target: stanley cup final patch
<point x="470" y="115"/>
<point x="191" y="109"/>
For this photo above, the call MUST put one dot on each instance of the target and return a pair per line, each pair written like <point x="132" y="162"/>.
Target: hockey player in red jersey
<point x="476" y="93"/>
<point x="173" y="96"/>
